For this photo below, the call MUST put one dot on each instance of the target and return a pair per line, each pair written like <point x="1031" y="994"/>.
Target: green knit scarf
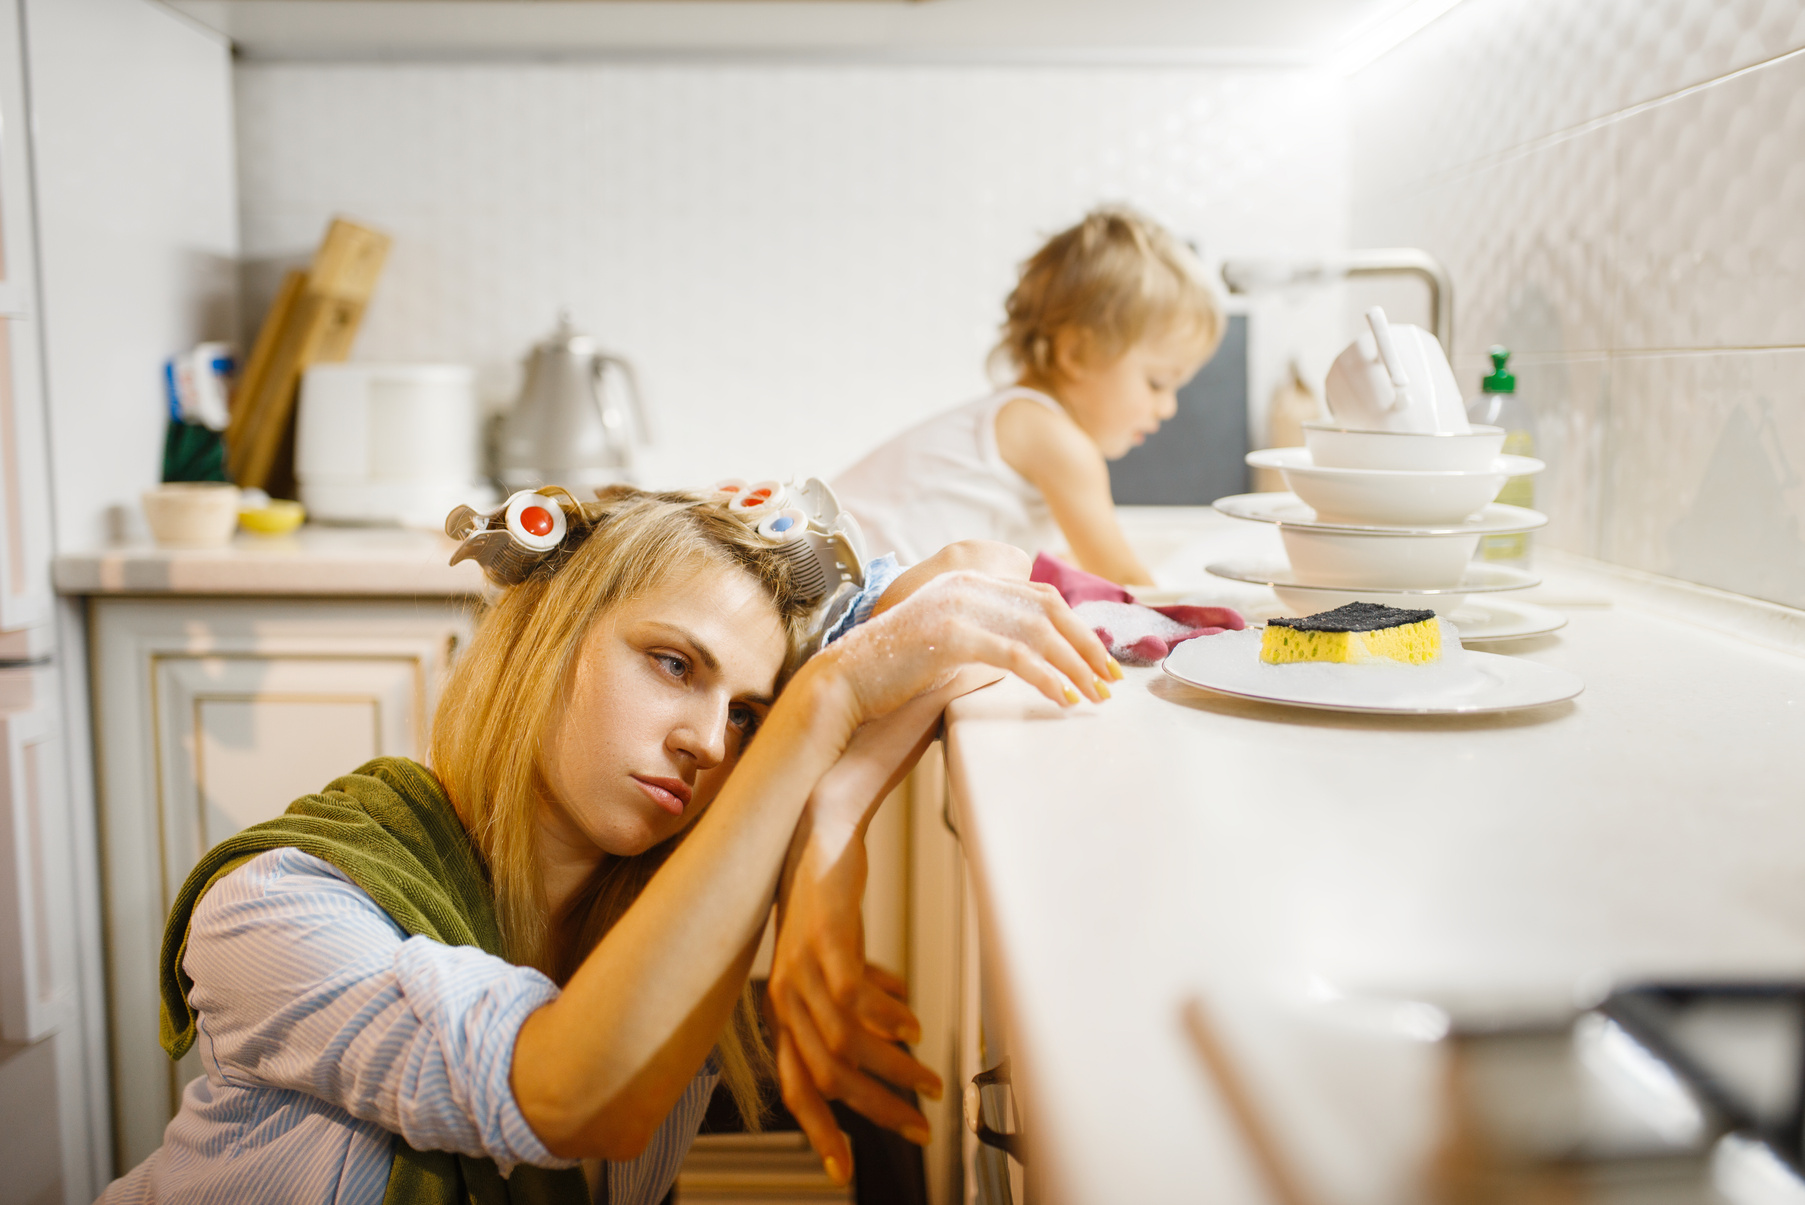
<point x="391" y="830"/>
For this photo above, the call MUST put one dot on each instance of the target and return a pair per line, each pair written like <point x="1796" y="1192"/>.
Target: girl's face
<point x="1120" y="403"/>
<point x="668" y="688"/>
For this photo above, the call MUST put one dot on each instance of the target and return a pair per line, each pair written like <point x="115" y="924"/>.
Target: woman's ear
<point x="1074" y="353"/>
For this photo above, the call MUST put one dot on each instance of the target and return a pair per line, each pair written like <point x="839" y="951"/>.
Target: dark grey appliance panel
<point x="1198" y="455"/>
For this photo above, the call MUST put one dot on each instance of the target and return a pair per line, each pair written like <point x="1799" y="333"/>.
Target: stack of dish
<point x="1394" y="517"/>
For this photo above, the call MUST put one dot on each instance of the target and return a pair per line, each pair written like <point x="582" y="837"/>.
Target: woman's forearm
<point x="596" y="1070"/>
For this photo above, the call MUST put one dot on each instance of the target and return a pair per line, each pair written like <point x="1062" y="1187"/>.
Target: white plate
<point x="1496" y="617"/>
<point x="1463" y="682"/>
<point x="1401" y="496"/>
<point x="1288" y="510"/>
<point x="1308" y="597"/>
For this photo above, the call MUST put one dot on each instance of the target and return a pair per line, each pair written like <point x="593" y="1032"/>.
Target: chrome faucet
<point x="1257" y="275"/>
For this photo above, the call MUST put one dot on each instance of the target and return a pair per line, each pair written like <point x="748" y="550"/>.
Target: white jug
<point x="1395" y="378"/>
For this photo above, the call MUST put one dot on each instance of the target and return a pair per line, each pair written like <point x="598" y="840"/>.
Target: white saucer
<point x="1461" y="683"/>
<point x="1308" y="598"/>
<point x="1491" y="617"/>
<point x="1287" y="510"/>
<point x="1496" y="617"/>
<point x="1480" y="578"/>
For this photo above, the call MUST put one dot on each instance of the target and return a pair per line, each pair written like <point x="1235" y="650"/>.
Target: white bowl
<point x="1332" y="558"/>
<point x="1344" y="448"/>
<point x="1400" y="497"/>
<point x="192" y="514"/>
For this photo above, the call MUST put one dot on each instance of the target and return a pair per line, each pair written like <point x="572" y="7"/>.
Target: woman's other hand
<point x="837" y="1018"/>
<point x="961" y="619"/>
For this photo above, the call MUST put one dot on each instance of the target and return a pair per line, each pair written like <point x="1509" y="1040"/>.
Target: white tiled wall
<point x="801" y="259"/>
<point x="1619" y="189"/>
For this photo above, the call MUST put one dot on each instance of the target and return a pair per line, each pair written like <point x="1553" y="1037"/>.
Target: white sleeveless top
<point x="943" y="481"/>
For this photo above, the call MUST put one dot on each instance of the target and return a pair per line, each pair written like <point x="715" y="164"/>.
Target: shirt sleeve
<point x="301" y="982"/>
<point x="879" y="573"/>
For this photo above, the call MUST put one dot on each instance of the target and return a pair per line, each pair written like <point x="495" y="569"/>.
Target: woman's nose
<point x="702" y="736"/>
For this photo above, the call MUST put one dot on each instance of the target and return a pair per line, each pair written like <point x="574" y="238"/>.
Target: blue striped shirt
<point x="325" y="1031"/>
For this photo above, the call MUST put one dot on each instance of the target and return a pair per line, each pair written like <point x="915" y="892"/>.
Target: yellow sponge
<point x="1354" y="633"/>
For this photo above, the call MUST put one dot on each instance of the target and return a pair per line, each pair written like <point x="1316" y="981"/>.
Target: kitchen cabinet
<point x="214" y="714"/>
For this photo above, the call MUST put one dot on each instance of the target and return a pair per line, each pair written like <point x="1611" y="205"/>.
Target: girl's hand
<point x="964" y="619"/>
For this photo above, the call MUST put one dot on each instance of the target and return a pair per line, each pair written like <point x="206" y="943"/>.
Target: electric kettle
<point x="569" y="427"/>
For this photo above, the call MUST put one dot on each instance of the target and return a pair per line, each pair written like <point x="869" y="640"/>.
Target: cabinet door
<point x="37" y="931"/>
<point x="25" y="594"/>
<point x="212" y="716"/>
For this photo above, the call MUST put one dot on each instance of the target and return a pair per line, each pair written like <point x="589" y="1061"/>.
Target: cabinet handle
<point x="1009" y="1143"/>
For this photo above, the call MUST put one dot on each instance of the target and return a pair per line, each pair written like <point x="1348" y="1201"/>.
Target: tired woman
<point x="517" y="975"/>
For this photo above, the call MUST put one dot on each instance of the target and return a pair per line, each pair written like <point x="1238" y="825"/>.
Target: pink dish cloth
<point x="1134" y="635"/>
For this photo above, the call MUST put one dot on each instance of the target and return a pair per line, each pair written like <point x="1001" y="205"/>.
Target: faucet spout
<point x="1253" y="276"/>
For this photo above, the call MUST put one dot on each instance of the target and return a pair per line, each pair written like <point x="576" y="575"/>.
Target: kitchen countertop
<point x="314" y="560"/>
<point x="1173" y="844"/>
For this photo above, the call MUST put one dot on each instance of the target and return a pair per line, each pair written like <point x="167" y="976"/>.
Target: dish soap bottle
<point x="1499" y="406"/>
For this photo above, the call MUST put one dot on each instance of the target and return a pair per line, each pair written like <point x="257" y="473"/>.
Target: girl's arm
<point x="1059" y="460"/>
<point x="596" y="1070"/>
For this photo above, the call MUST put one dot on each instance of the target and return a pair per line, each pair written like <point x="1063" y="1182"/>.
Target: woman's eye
<point x="743" y="718"/>
<point x="676" y="667"/>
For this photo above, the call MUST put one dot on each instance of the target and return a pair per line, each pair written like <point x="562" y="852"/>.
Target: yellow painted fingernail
<point x="1071" y="696"/>
<point x="916" y="1134"/>
<point x="834" y="1171"/>
<point x="1102" y="689"/>
<point x="1115" y="669"/>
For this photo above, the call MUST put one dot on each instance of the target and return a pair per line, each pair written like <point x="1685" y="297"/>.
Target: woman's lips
<point x="671" y="794"/>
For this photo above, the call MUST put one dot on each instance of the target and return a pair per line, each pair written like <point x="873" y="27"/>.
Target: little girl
<point x="1107" y="322"/>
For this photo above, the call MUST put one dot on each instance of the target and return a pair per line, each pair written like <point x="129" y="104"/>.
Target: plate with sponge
<point x="1343" y="676"/>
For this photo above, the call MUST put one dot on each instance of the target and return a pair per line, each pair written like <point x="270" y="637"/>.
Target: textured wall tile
<point x="1713" y="215"/>
<point x="1655" y="223"/>
<point x="1529" y="242"/>
<point x="1706" y="473"/>
<point x="1570" y="400"/>
<point x="825" y="249"/>
<point x="1495" y="74"/>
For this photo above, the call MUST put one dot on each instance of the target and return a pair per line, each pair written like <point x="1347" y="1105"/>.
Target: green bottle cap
<point x="1500" y="381"/>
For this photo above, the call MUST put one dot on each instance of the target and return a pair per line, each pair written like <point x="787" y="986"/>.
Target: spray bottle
<point x="1498" y="405"/>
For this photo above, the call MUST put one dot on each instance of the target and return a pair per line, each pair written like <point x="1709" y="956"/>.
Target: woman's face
<point x="1120" y="402"/>
<point x="668" y="687"/>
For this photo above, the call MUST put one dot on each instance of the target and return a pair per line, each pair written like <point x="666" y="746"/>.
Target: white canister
<point x="387" y="443"/>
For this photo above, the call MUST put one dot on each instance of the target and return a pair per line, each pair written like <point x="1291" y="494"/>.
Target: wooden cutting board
<point x="313" y="320"/>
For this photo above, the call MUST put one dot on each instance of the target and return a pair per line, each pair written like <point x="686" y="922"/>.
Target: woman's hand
<point x="838" y="1018"/>
<point x="963" y="619"/>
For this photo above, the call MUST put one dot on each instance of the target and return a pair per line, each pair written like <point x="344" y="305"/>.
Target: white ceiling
<point x="1252" y="31"/>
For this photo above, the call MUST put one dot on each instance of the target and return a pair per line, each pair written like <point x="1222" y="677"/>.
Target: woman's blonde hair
<point x="1116" y="275"/>
<point x="494" y="717"/>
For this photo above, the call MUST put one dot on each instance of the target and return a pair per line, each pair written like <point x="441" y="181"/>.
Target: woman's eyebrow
<point x="706" y="656"/>
<point x="703" y="653"/>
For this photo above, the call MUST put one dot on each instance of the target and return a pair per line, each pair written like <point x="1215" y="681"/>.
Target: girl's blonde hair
<point x="494" y="717"/>
<point x="1118" y="276"/>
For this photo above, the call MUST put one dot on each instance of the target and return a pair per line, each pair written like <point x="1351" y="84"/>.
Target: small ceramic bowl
<point x="192" y="514"/>
<point x="1331" y="558"/>
<point x="1335" y="447"/>
<point x="276" y="517"/>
